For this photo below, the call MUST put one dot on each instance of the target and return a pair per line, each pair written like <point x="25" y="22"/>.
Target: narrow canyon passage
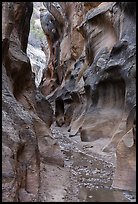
<point x="88" y="170"/>
<point x="68" y="102"/>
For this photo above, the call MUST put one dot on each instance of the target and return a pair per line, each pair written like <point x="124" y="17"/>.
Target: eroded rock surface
<point x="98" y="73"/>
<point x="27" y="141"/>
<point x="76" y="132"/>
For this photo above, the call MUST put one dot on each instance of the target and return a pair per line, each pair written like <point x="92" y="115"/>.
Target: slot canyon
<point x="68" y="101"/>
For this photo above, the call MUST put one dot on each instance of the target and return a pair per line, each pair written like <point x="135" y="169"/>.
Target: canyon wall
<point x="91" y="75"/>
<point x="27" y="142"/>
<point x="88" y="86"/>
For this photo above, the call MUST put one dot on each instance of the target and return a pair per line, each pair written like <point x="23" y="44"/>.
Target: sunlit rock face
<point x="92" y="70"/>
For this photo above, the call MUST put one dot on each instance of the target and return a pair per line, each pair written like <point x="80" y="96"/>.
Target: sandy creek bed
<point x="87" y="173"/>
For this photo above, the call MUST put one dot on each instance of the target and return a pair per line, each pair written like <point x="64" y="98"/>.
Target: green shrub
<point x="38" y="32"/>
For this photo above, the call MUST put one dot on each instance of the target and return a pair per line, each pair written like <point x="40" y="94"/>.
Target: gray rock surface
<point x="69" y="131"/>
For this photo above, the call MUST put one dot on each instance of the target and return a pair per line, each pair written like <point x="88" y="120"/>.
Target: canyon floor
<point x="87" y="173"/>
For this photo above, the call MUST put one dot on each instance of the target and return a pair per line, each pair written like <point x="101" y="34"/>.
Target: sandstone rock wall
<point x="97" y="72"/>
<point x="27" y="141"/>
<point x="87" y="87"/>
